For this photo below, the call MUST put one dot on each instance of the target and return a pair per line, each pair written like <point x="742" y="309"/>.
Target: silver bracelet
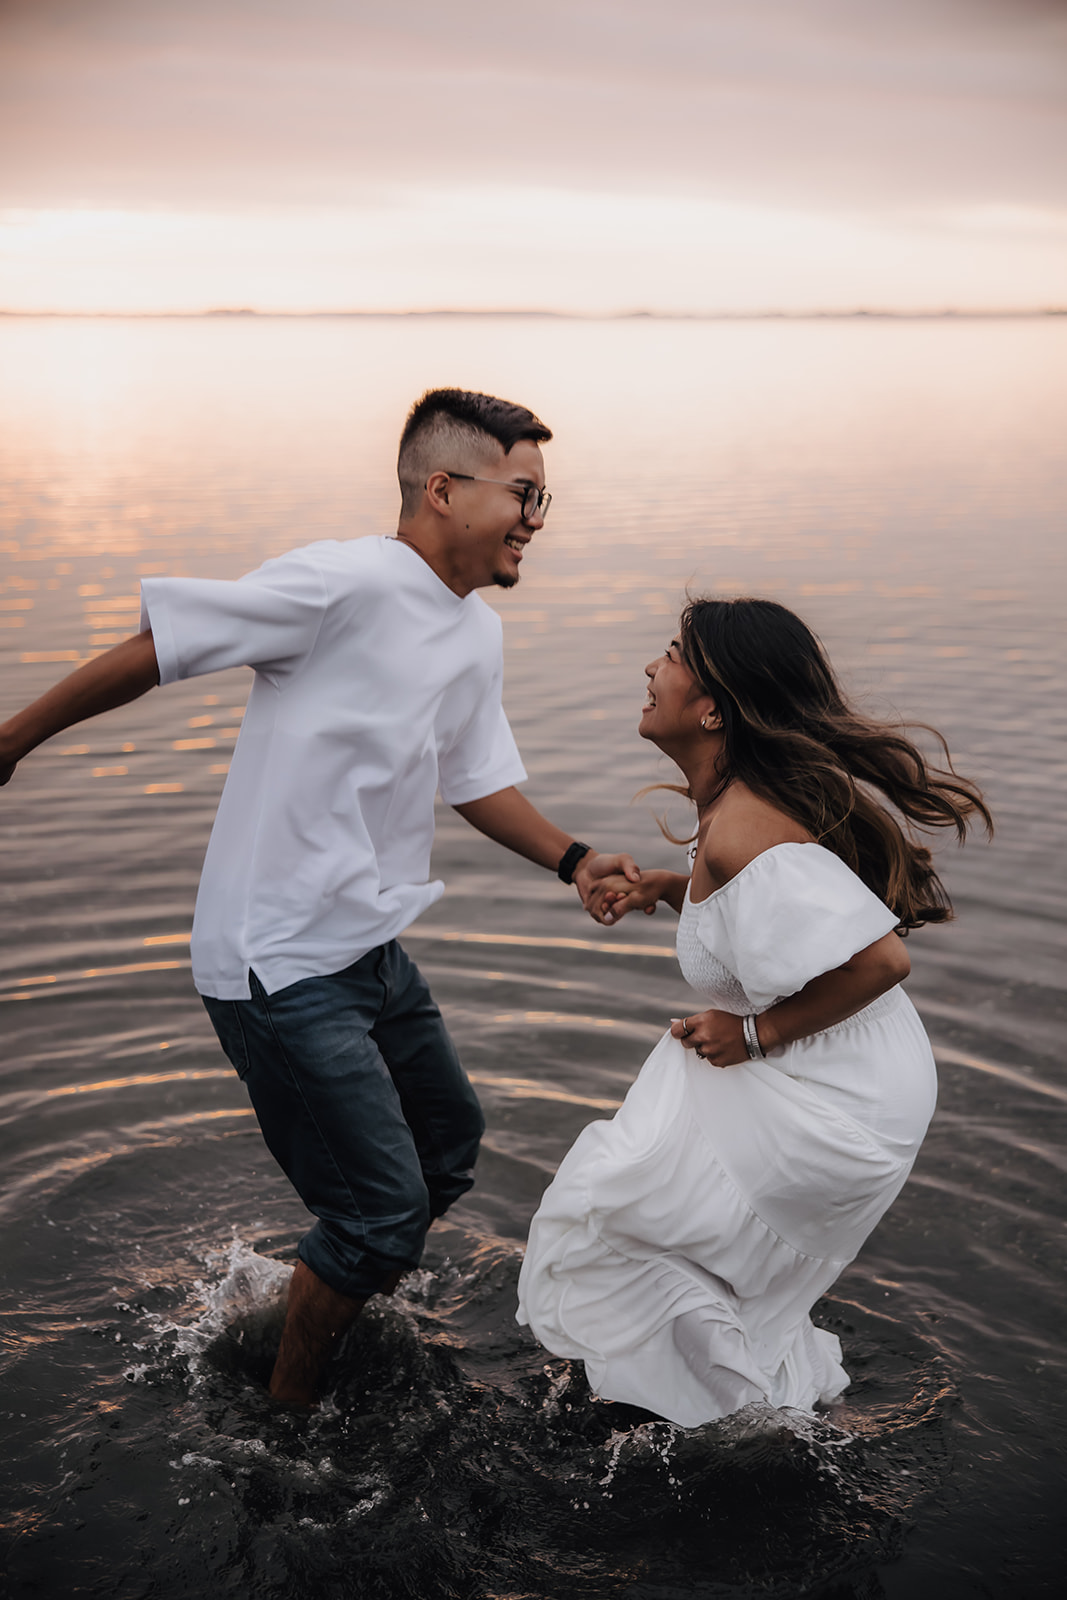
<point x="752" y="1044"/>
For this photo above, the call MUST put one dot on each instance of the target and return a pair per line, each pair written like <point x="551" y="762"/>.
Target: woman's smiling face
<point x="675" y="701"/>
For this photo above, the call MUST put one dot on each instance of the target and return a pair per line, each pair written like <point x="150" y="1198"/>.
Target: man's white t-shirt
<point x="375" y="687"/>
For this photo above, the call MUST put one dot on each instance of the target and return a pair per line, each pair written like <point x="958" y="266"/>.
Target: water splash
<point x="452" y="1461"/>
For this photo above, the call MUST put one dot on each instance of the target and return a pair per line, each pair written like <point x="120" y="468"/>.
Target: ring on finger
<point x="686" y="1029"/>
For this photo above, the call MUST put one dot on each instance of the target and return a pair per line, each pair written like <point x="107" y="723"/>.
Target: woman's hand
<point x="614" y="896"/>
<point x="717" y="1037"/>
<point x="617" y="896"/>
<point x="596" y="870"/>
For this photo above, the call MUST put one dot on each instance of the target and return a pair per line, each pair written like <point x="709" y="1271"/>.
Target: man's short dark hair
<point x="462" y="424"/>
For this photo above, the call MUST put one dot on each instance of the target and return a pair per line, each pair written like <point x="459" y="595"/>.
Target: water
<point x="901" y="484"/>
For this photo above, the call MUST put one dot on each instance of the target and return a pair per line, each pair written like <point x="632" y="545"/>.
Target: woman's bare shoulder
<point x="743" y="827"/>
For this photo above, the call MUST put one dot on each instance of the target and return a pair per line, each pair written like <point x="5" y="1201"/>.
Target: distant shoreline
<point x="245" y="314"/>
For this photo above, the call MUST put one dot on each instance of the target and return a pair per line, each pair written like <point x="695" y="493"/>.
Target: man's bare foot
<point x="315" y="1318"/>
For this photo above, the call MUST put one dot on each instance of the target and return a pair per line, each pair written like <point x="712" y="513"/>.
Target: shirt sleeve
<point x="269" y="619"/>
<point x="483" y="757"/>
<point x="793" y="913"/>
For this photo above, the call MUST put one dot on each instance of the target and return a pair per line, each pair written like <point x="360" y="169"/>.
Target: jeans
<point x="364" y="1105"/>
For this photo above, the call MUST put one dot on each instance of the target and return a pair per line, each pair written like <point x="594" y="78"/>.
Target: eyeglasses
<point x="534" y="500"/>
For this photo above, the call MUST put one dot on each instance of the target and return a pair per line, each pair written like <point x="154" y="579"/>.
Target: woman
<point x="681" y="1246"/>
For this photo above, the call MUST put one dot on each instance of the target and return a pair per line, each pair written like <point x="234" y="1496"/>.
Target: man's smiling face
<point x="494" y="533"/>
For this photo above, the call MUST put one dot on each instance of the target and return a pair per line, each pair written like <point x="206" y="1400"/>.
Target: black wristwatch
<point x="570" y="859"/>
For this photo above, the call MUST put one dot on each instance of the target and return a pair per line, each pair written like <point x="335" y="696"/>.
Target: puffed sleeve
<point x="794" y="912"/>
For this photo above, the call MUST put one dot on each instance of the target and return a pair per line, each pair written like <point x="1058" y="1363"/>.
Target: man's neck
<point x="438" y="561"/>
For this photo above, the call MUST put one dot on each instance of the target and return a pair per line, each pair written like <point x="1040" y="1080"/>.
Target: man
<point x="378" y="674"/>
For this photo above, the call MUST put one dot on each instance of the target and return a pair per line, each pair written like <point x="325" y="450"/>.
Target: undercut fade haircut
<point x="454" y="430"/>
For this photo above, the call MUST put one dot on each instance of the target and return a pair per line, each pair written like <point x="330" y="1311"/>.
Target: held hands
<point x="593" y="872"/>
<point x="618" y="896"/>
<point x="716" y="1036"/>
<point x="615" y="895"/>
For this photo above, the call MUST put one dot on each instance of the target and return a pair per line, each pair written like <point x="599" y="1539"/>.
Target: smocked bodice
<point x="705" y="973"/>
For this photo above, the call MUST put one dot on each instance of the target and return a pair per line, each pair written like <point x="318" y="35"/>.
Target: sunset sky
<point x="581" y="155"/>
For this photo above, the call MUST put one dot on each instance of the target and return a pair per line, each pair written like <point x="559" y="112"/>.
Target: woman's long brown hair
<point x="792" y="737"/>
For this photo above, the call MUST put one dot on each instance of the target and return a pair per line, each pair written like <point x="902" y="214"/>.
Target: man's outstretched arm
<point x="112" y="679"/>
<point x="508" y="818"/>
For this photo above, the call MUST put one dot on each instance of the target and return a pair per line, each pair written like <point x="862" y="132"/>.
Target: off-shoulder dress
<point x="681" y="1246"/>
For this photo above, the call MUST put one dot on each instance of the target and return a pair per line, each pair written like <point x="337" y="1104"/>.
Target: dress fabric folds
<point x="681" y="1246"/>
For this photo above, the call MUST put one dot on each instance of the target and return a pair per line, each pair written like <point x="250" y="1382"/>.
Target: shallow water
<point x="902" y="485"/>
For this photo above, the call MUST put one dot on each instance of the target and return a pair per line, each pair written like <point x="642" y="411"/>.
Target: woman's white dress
<point x="681" y="1246"/>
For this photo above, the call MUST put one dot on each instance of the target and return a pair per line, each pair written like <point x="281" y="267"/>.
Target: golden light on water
<point x="138" y="1081"/>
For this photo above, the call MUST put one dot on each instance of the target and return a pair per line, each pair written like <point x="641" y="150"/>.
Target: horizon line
<point x="889" y="313"/>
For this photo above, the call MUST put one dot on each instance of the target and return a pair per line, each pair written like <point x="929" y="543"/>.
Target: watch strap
<point x="570" y="859"/>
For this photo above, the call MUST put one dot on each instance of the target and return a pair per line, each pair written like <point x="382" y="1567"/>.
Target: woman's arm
<point x="719" y="1037"/>
<point x="835" y="995"/>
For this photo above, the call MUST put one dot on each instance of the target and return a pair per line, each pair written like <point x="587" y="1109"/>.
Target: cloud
<point x="859" y="104"/>
<point x="597" y="154"/>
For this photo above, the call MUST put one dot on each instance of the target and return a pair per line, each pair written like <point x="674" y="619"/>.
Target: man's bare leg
<point x="315" y="1318"/>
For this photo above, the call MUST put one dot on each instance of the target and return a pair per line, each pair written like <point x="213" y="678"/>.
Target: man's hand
<point x="717" y="1037"/>
<point x="10" y="754"/>
<point x="9" y="757"/>
<point x="590" y="877"/>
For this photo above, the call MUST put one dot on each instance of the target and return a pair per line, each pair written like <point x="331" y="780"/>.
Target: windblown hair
<point x="793" y="738"/>
<point x="457" y="430"/>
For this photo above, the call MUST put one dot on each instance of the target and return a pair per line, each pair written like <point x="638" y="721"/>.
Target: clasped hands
<point x="612" y="886"/>
<point x="595" y="872"/>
